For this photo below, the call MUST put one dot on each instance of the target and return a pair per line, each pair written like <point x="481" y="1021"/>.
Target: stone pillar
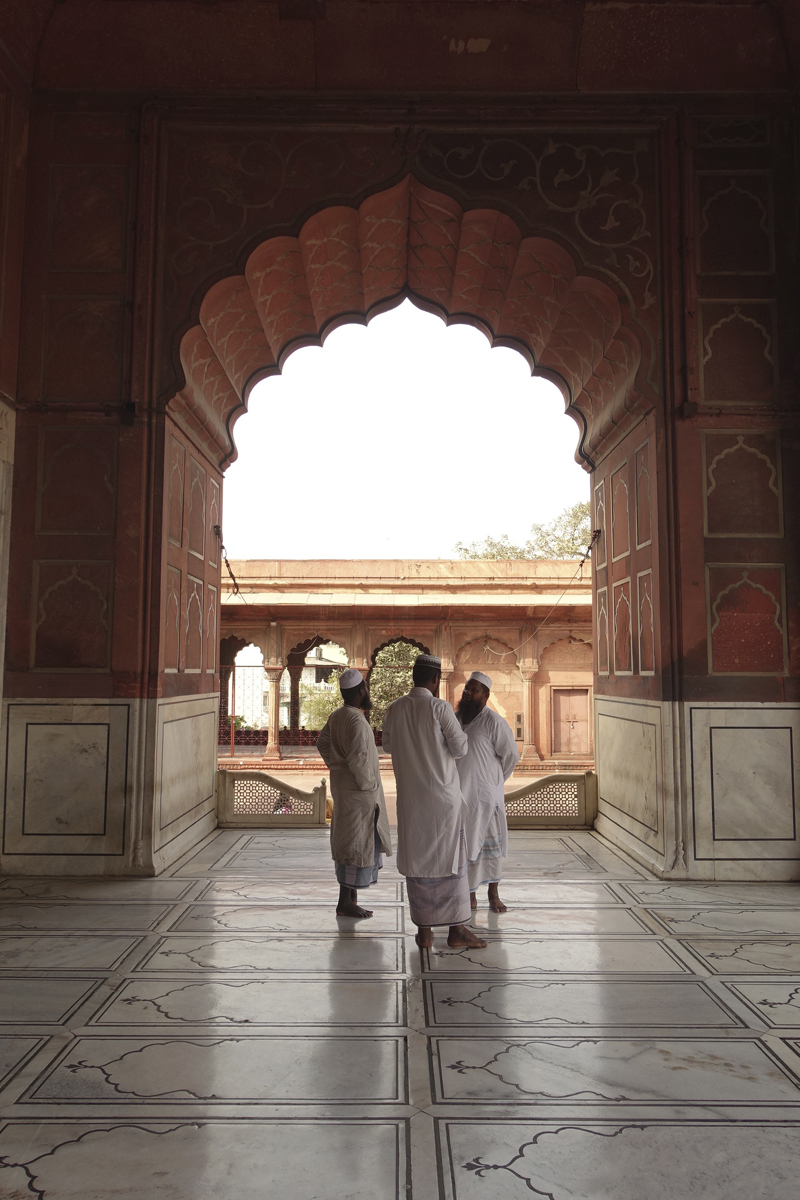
<point x="295" y="672"/>
<point x="529" y="750"/>
<point x="273" y="743"/>
<point x="444" y="684"/>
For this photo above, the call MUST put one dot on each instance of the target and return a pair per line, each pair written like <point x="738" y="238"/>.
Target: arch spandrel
<point x="348" y="264"/>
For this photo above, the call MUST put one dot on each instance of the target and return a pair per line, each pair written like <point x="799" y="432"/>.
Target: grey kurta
<point x="347" y="744"/>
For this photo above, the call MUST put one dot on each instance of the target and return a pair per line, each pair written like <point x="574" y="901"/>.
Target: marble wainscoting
<point x="112" y="787"/>
<point x="219" y="1032"/>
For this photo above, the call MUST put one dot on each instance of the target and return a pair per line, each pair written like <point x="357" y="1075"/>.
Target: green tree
<point x="318" y="701"/>
<point x="386" y="682"/>
<point x="566" y="536"/>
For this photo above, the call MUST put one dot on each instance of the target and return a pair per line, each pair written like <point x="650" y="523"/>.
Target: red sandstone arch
<point x="472" y="267"/>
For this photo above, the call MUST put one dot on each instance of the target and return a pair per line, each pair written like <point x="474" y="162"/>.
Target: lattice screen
<point x="253" y="798"/>
<point x="554" y="800"/>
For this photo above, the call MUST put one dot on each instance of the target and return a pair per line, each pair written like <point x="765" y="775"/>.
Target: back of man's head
<point x="423" y="674"/>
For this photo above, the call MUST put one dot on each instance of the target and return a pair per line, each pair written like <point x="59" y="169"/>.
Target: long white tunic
<point x="424" y="739"/>
<point x="488" y="763"/>
<point x="347" y="744"/>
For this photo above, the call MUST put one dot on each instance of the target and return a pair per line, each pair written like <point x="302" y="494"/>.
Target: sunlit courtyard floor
<point x="218" y="1034"/>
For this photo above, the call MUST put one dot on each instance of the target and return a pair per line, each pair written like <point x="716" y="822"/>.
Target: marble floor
<point x="219" y="1034"/>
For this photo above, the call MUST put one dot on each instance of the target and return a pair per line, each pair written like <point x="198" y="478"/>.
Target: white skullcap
<point x="350" y="678"/>
<point x="481" y="678"/>
<point x="428" y="660"/>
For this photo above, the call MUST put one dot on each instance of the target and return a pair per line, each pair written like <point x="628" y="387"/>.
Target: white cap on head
<point x="481" y="678"/>
<point x="350" y="678"/>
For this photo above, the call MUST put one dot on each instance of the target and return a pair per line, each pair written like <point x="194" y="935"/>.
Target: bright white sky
<point x="435" y="437"/>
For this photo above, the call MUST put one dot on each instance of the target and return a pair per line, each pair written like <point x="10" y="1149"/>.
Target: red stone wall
<point x="627" y="576"/>
<point x="191" y="563"/>
<point x="736" y="485"/>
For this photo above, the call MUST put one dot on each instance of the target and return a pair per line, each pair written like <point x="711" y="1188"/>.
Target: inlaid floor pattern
<point x="219" y="1034"/>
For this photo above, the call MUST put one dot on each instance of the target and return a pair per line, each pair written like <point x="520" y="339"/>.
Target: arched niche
<point x="495" y="658"/>
<point x="474" y="267"/>
<point x="566" y="653"/>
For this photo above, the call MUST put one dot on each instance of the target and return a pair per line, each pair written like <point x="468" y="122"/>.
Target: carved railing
<point x="558" y="801"/>
<point x="256" y="799"/>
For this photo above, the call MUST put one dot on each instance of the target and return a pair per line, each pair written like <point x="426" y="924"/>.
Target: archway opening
<point x="390" y="675"/>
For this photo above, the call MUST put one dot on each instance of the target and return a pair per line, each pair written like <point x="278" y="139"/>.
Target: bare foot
<point x="473" y="900"/>
<point x="352" y="910"/>
<point x="495" y="903"/>
<point x="424" y="937"/>
<point x="460" y="936"/>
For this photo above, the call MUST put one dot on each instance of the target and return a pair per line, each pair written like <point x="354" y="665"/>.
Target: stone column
<point x="444" y="684"/>
<point x="273" y="744"/>
<point x="295" y="672"/>
<point x="529" y="750"/>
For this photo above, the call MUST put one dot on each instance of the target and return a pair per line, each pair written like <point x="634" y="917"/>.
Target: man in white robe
<point x="359" y="826"/>
<point x="424" y="739"/>
<point x="488" y="763"/>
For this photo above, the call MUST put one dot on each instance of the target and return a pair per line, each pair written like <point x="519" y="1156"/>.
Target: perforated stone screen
<point x="253" y="798"/>
<point x="554" y="800"/>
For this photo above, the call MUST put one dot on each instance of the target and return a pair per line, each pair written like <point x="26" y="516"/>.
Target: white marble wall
<point x="185" y="774"/>
<point x="99" y="787"/>
<point x="743" y="783"/>
<point x="701" y="791"/>
<point x="635" y="796"/>
<point x="68" y="786"/>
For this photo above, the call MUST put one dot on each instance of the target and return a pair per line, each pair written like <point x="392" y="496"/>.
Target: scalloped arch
<point x="471" y="267"/>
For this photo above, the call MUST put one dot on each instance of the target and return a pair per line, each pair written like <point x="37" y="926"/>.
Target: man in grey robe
<point x="424" y="739"/>
<point x="490" y="759"/>
<point x="359" y="826"/>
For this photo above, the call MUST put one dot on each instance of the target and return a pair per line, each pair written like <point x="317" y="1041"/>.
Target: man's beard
<point x="467" y="709"/>
<point x="366" y="705"/>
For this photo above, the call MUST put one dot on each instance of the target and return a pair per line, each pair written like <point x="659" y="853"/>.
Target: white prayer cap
<point x="350" y="678"/>
<point x="428" y="660"/>
<point x="481" y="678"/>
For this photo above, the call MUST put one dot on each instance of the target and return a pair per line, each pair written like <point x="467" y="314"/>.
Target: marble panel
<point x="612" y="1004"/>
<point x="205" y="1159"/>
<point x="747" y="763"/>
<point x="181" y="952"/>
<point x="773" y="921"/>
<point x="248" y="1003"/>
<point x="727" y="956"/>
<point x="76" y="751"/>
<point x="29" y="1000"/>
<point x="93" y="889"/>
<point x="629" y="764"/>
<point x="279" y="1070"/>
<point x="302" y="891"/>
<point x="211" y="918"/>
<point x="188" y="762"/>
<point x="567" y="955"/>
<point x="77" y="756"/>
<point x="15" y="1051"/>
<point x="81" y="916"/>
<point x="720" y="1070"/>
<point x="777" y="1004"/>
<point x="744" y="894"/>
<point x="71" y="952"/>
<point x="564" y="1160"/>
<point x="556" y="920"/>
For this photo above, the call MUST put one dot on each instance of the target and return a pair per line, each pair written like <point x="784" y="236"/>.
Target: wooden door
<point x="570" y="721"/>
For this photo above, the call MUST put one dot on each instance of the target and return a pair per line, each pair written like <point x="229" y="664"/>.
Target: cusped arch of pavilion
<point x="398" y="637"/>
<point x="549" y="643"/>
<point x="501" y="653"/>
<point x="475" y="267"/>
